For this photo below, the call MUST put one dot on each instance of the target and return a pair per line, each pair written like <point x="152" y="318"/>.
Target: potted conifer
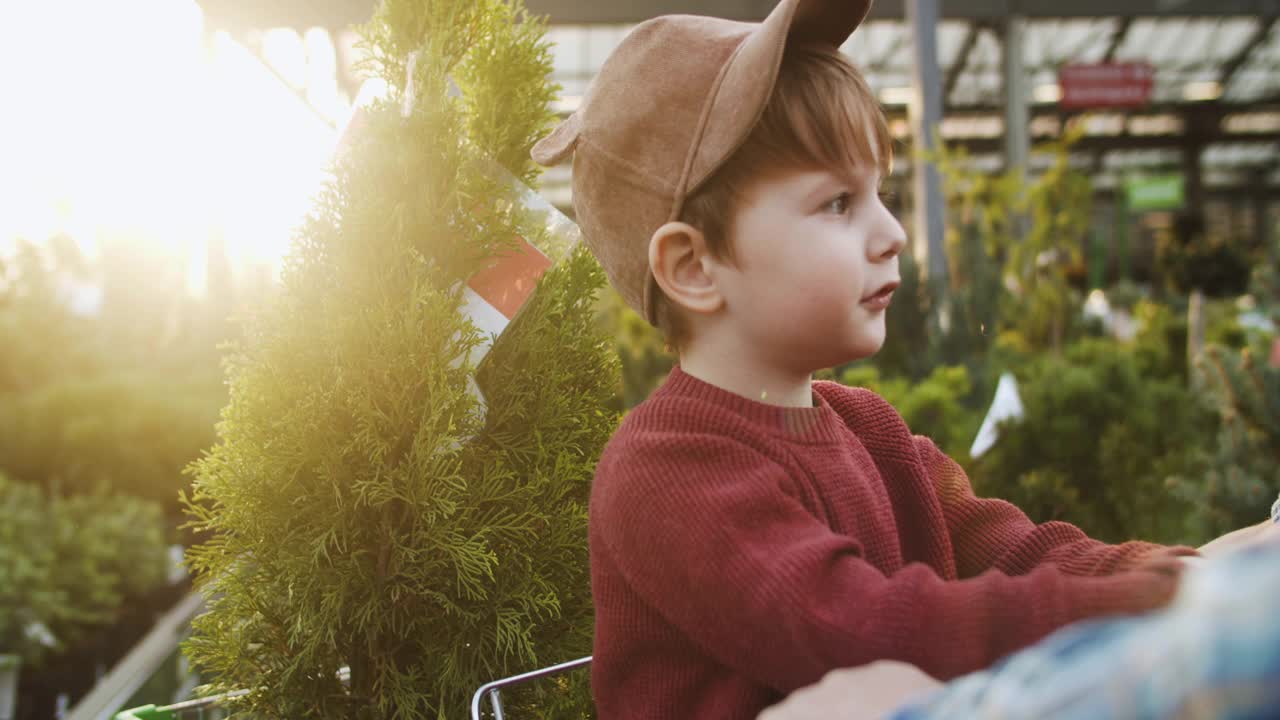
<point x="362" y="507"/>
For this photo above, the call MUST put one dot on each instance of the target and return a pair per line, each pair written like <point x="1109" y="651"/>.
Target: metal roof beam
<point x="1202" y="124"/>
<point x="624" y="11"/>
<point x="1107" y="143"/>
<point x="962" y="60"/>
<point x="1233" y="65"/>
<point x="240" y="15"/>
<point x="1117" y="38"/>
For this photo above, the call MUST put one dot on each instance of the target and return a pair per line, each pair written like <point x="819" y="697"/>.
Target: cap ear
<point x="554" y="148"/>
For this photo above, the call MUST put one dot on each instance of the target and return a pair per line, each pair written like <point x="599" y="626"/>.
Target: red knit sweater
<point x="741" y="550"/>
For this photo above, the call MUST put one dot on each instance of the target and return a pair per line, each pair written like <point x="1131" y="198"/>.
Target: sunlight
<point x="140" y="123"/>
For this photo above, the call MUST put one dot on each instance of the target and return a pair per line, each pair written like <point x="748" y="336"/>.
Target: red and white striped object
<point x="495" y="293"/>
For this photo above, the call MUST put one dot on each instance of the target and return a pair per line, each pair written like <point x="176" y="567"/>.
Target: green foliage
<point x="68" y="564"/>
<point x="1242" y="477"/>
<point x="933" y="407"/>
<point x="1012" y="244"/>
<point x="1097" y="445"/>
<point x="1193" y="259"/>
<point x="33" y="321"/>
<point x="1043" y="307"/>
<point x="131" y="431"/>
<point x="361" y="511"/>
<point x="87" y="401"/>
<point x="1264" y="287"/>
<point x="642" y="352"/>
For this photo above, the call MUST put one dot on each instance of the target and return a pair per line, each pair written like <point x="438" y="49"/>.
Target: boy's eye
<point x="839" y="204"/>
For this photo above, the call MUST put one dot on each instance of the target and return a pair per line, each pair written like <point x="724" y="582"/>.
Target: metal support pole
<point x="1017" y="117"/>
<point x="926" y="114"/>
<point x="1262" y="230"/>
<point x="1194" y="183"/>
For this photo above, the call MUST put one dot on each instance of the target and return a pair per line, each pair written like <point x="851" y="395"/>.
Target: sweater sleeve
<point x="994" y="534"/>
<point x="707" y="532"/>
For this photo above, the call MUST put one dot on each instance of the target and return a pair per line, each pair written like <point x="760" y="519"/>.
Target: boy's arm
<point x="995" y="534"/>
<point x="705" y="531"/>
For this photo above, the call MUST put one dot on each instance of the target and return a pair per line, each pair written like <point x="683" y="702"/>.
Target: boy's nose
<point x="889" y="240"/>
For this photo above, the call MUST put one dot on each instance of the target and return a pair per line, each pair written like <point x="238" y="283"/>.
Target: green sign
<point x="1160" y="192"/>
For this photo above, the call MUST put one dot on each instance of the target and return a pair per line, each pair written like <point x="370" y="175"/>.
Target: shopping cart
<point x="492" y="690"/>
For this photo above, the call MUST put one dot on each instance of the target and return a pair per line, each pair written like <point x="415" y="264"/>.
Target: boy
<point x="752" y="529"/>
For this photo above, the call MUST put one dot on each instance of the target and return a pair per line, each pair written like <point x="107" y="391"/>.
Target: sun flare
<point x="133" y="120"/>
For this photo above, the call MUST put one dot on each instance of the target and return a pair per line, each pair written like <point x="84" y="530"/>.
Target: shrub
<point x="130" y="431"/>
<point x="1098" y="445"/>
<point x="68" y="564"/>
<point x="1242" y="476"/>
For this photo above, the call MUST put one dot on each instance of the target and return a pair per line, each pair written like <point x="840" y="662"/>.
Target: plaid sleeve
<point x="1214" y="650"/>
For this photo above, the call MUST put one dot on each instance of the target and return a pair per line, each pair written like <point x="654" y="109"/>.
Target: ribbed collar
<point x="818" y="424"/>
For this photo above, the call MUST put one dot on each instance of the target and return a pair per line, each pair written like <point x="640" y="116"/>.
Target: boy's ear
<point x="681" y="265"/>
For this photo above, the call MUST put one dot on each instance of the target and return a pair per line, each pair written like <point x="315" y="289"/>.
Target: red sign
<point x="1106" y="85"/>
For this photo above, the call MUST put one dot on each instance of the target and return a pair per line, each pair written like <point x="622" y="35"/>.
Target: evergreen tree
<point x="1242" y="476"/>
<point x="361" y="508"/>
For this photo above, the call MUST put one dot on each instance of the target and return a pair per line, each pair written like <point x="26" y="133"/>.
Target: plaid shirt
<point x="1213" y="653"/>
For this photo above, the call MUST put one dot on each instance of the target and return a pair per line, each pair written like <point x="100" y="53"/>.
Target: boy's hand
<point x="1166" y="562"/>
<point x="863" y="693"/>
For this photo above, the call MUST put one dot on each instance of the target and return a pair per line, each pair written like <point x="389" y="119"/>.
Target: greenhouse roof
<point x="1216" y="89"/>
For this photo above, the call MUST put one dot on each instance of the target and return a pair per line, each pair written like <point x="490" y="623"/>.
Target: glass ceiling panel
<point x="1259" y="77"/>
<point x="1240" y="154"/>
<point x="951" y="37"/>
<point x="1048" y="43"/>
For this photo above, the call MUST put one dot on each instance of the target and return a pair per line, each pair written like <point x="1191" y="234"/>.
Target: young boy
<point x="752" y="529"/>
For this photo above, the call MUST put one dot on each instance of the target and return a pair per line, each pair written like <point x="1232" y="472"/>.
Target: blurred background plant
<point x="105" y="396"/>
<point x="1241" y="472"/>
<point x="68" y="565"/>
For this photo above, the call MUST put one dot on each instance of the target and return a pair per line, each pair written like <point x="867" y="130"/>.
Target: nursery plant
<point x="363" y="508"/>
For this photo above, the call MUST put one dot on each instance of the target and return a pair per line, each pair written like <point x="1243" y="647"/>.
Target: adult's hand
<point x="868" y="692"/>
<point x="1262" y="532"/>
<point x="1270" y="533"/>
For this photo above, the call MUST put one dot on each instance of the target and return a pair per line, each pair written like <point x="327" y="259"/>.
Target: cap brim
<point x="826" y="21"/>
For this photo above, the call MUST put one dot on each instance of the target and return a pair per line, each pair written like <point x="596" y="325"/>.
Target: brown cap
<point x="669" y="106"/>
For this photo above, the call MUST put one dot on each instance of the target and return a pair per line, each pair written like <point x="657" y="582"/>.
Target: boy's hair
<point x="821" y="114"/>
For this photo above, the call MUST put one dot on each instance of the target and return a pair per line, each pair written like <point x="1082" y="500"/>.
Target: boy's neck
<point x="747" y="376"/>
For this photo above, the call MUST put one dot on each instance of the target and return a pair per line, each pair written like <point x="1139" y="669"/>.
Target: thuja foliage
<point x="360" y="509"/>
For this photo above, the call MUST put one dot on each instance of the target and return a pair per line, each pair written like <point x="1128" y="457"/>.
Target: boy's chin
<point x="869" y="344"/>
<point x="863" y="350"/>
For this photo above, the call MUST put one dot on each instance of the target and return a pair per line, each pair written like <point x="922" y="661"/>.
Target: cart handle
<point x="491" y="689"/>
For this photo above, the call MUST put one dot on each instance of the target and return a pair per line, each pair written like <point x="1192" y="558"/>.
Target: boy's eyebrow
<point x="829" y="180"/>
<point x="825" y="182"/>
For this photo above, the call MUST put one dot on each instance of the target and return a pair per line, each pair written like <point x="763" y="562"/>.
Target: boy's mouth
<point x="882" y="296"/>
